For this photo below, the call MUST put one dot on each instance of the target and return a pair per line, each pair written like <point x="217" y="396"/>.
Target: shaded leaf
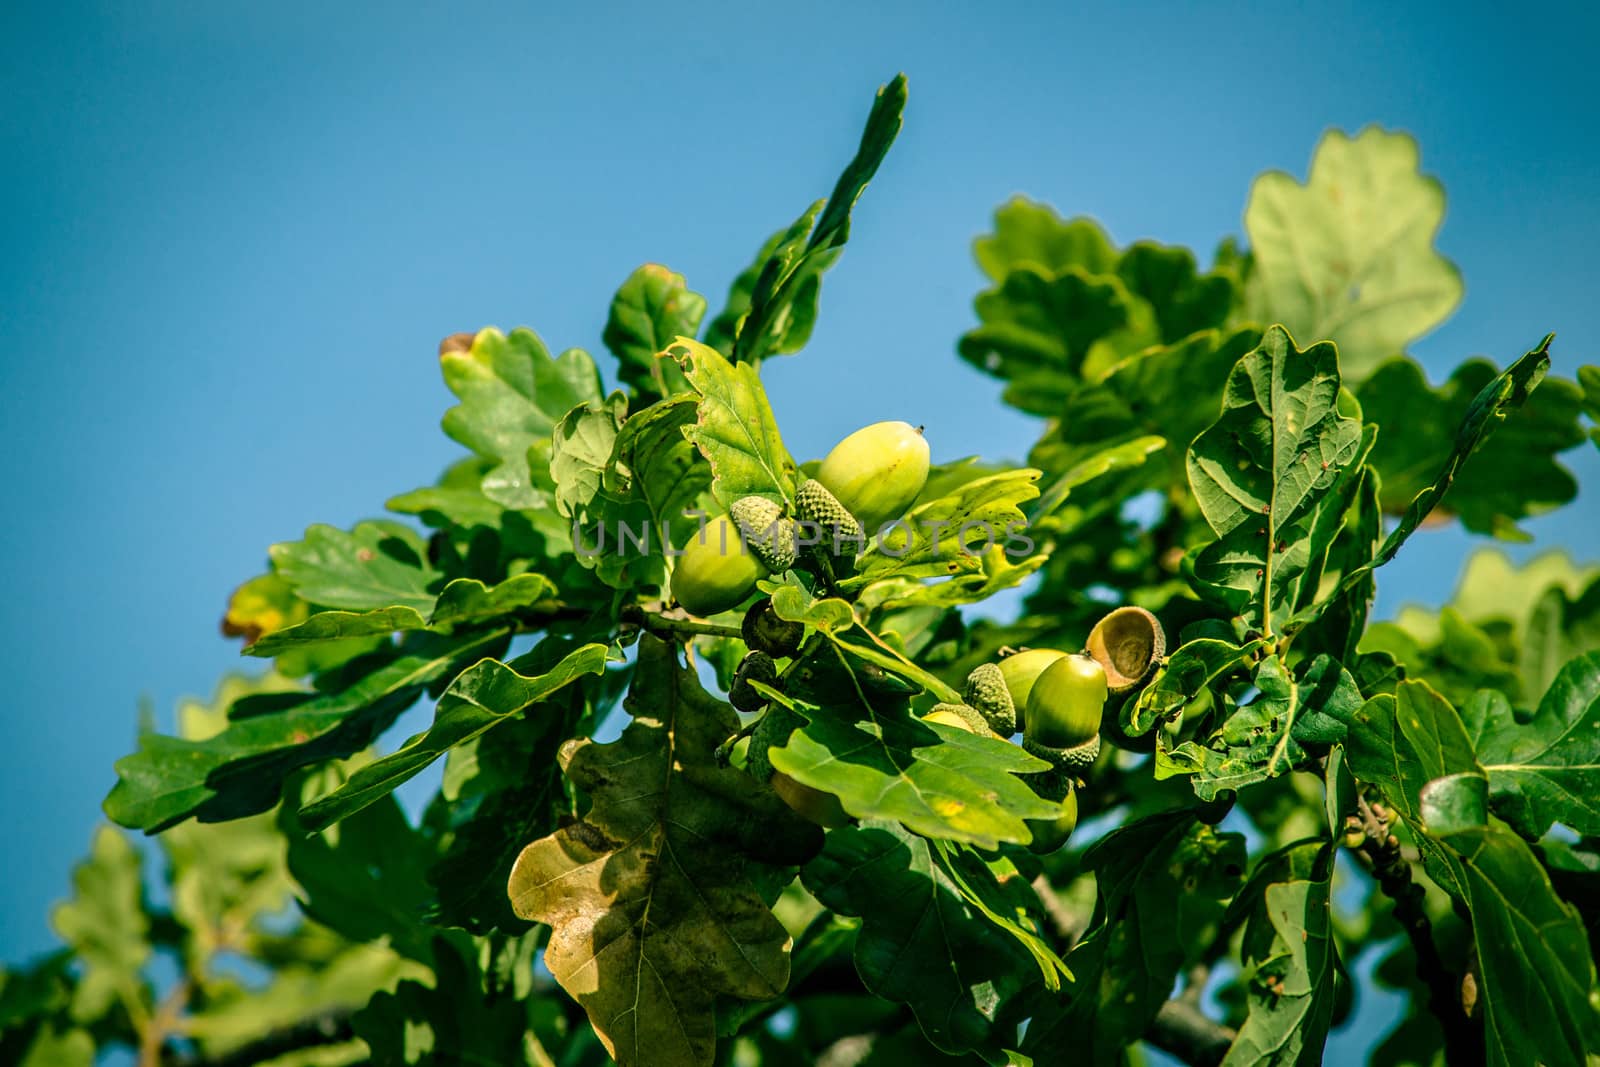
<point x="1292" y="989"/>
<point x="921" y="943"/>
<point x="650" y="898"/>
<point x="481" y="697"/>
<point x="580" y="452"/>
<point x="1349" y="255"/>
<point x="105" y="925"/>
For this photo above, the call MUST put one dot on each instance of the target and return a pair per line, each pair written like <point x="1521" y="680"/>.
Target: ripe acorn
<point x="1128" y="644"/>
<point x="1051" y="834"/>
<point x="877" y="472"/>
<point x="767" y="533"/>
<point x="987" y="692"/>
<point x="835" y="529"/>
<point x="764" y="631"/>
<point x="1020" y="670"/>
<point x="715" y="571"/>
<point x="755" y="667"/>
<point x="1066" y="702"/>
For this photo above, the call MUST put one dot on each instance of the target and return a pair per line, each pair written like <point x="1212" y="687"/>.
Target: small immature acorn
<point x="772" y="538"/>
<point x="971" y="716"/>
<point x="755" y="667"/>
<point x="877" y="472"/>
<point x="715" y="571"/>
<point x="834" y="526"/>
<point x="1128" y="643"/>
<point x="1020" y="670"/>
<point x="987" y="691"/>
<point x="764" y="631"/>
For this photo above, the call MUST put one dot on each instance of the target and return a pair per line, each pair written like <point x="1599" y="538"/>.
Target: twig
<point x="1181" y="1029"/>
<point x="1381" y="853"/>
<point x="665" y="626"/>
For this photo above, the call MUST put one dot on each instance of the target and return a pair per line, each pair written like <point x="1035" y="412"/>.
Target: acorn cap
<point x="1128" y="643"/>
<point x="986" y="690"/>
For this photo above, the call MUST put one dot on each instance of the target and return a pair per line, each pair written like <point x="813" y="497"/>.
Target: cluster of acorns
<point x="1057" y="699"/>
<point x="868" y="478"/>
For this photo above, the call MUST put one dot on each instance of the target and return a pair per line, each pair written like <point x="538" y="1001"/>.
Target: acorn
<point x="974" y="718"/>
<point x="877" y="472"/>
<point x="764" y="631"/>
<point x="1020" y="670"/>
<point x="1051" y="834"/>
<point x="755" y="667"/>
<point x="1128" y="644"/>
<point x="771" y="537"/>
<point x="1065" y="708"/>
<point x="715" y="570"/>
<point x="987" y="692"/>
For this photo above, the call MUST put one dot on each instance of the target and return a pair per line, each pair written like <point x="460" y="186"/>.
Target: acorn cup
<point x="1129" y="644"/>
<point x="755" y="667"/>
<point x="987" y="692"/>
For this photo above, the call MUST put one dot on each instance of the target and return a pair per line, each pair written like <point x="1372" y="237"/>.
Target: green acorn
<point x="970" y="715"/>
<point x="771" y="537"/>
<point x="949" y="718"/>
<point x="986" y="690"/>
<point x="877" y="472"/>
<point x="1051" y="834"/>
<point x="832" y="524"/>
<point x="715" y="570"/>
<point x="1021" y="670"/>
<point x="755" y="667"/>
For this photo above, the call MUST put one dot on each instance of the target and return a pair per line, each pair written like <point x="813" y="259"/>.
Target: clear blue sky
<point x="234" y="233"/>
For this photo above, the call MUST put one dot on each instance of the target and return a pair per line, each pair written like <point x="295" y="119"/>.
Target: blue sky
<point x="235" y="233"/>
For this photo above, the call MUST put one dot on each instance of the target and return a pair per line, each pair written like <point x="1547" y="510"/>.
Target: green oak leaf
<point x="1589" y="382"/>
<point x="580" y="452"/>
<point x="656" y="475"/>
<point x="1557" y="630"/>
<point x="1031" y="234"/>
<point x="240" y="771"/>
<point x="921" y="942"/>
<point x="327" y="626"/>
<point x="378" y="564"/>
<point x="1266" y="737"/>
<point x="52" y="1047"/>
<point x="1192" y="667"/>
<point x="933" y="779"/>
<point x="783" y="299"/>
<point x="1349" y="255"/>
<point x="1183" y="300"/>
<point x="1292" y="989"/>
<point x="1519" y="478"/>
<point x="650" y="897"/>
<point x="1163" y="882"/>
<point x="512" y="395"/>
<point x="450" y="1021"/>
<point x="1544" y="769"/>
<point x="479" y="699"/>
<point x="105" y="925"/>
<point x="1170" y="392"/>
<point x="948" y="536"/>
<point x="735" y="429"/>
<point x="781" y="248"/>
<point x="651" y="309"/>
<point x="1037" y="329"/>
<point x="1273" y="476"/>
<point x="1533" y="953"/>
